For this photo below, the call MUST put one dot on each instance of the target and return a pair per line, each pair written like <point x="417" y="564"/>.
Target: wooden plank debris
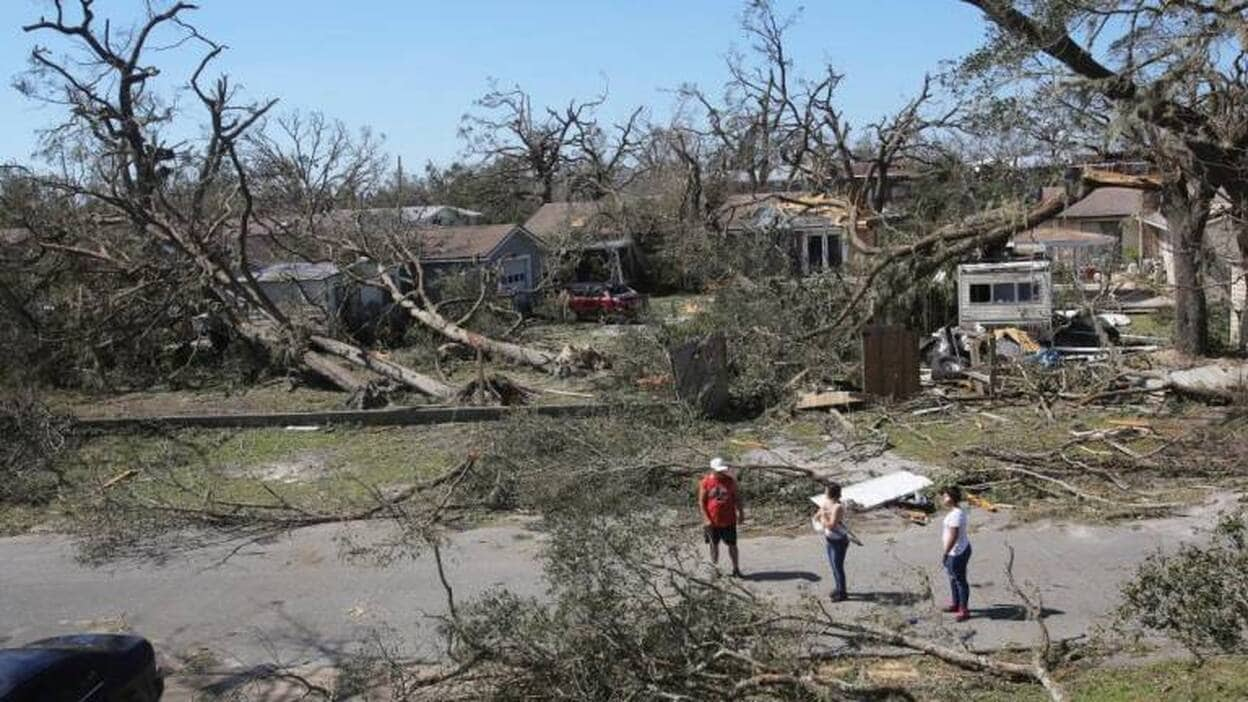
<point x="826" y="400"/>
<point x="890" y="362"/>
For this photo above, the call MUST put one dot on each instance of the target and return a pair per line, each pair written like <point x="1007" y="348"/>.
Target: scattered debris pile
<point x="495" y="389"/>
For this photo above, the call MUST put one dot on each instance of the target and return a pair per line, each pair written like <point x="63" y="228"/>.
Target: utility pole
<point x="399" y="185"/>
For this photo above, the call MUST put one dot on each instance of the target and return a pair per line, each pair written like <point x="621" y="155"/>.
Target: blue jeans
<point x="955" y="566"/>
<point x="836" y="558"/>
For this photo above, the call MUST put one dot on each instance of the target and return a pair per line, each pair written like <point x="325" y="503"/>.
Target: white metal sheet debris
<point x="1224" y="381"/>
<point x="872" y="493"/>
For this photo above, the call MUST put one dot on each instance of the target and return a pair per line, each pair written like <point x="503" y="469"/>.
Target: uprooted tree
<point x="167" y="220"/>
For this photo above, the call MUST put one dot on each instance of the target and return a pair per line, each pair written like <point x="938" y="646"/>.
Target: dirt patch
<point x="893" y="673"/>
<point x="301" y="467"/>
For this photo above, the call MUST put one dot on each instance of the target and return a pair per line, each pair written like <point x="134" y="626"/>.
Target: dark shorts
<point x="714" y="535"/>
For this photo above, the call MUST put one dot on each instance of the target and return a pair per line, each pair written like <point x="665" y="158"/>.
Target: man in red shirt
<point x="722" y="511"/>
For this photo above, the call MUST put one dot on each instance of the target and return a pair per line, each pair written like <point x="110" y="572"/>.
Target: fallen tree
<point x="192" y="202"/>
<point x="393" y="239"/>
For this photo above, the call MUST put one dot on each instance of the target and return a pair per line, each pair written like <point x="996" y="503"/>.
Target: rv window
<point x="1026" y="292"/>
<point x="981" y="293"/>
<point x="1002" y="292"/>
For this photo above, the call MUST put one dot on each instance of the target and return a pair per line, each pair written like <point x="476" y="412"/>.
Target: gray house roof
<point x="466" y="243"/>
<point x="1107" y="203"/>
<point x="295" y="271"/>
<point x="1041" y="238"/>
<point x="424" y="215"/>
<point x="556" y="220"/>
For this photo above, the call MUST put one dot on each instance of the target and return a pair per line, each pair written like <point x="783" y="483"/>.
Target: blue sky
<point x="411" y="68"/>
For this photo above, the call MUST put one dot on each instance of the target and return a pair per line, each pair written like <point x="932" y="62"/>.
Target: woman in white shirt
<point x="956" y="552"/>
<point x="836" y="537"/>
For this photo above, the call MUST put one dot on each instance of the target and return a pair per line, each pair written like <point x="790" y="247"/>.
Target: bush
<point x="624" y="619"/>
<point x="32" y="439"/>
<point x="765" y="324"/>
<point x="1198" y="596"/>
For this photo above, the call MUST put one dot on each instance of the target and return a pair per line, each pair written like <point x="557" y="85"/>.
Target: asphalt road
<point x="296" y="600"/>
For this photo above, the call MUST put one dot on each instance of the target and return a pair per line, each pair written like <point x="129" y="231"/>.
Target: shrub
<point x="1198" y="596"/>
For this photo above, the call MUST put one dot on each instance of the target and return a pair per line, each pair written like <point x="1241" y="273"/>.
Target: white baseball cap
<point x="718" y="465"/>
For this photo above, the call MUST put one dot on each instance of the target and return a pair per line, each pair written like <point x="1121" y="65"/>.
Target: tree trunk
<point x="331" y="370"/>
<point x="1235" y="252"/>
<point x="370" y="360"/>
<point x="1185" y="203"/>
<point x="537" y="358"/>
<point x="319" y="361"/>
<point x="548" y="188"/>
<point x="1239" y="282"/>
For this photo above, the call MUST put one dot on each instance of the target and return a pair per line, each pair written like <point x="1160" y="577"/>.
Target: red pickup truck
<point x="604" y="301"/>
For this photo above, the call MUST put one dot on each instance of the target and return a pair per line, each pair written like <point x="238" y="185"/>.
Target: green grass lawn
<point x="327" y="468"/>
<point x="273" y="396"/>
<point x="1159" y="324"/>
<point x="672" y="307"/>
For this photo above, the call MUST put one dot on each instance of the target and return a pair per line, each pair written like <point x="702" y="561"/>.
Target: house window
<point x="981" y="292"/>
<point x="814" y="252"/>
<point x="1002" y="293"/>
<point x="823" y="252"/>
<point x="1113" y="229"/>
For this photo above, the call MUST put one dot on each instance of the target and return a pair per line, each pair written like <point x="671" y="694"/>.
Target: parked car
<point x="604" y="301"/>
<point x="81" y="668"/>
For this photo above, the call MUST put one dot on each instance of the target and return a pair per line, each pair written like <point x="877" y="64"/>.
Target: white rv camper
<point x="1011" y="293"/>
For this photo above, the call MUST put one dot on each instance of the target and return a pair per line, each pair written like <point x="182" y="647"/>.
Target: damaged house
<point x="810" y="229"/>
<point x="511" y="250"/>
<point x="330" y="297"/>
<point x="1128" y="217"/>
<point x="297" y="269"/>
<point x="596" y="240"/>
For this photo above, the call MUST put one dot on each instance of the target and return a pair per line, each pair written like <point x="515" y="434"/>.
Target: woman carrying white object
<point x="831" y="517"/>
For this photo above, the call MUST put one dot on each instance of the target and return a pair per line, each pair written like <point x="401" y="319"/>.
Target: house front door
<point x="814" y="253"/>
<point x="515" y="274"/>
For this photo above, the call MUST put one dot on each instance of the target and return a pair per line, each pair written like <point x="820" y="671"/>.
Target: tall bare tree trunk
<point x="1185" y="204"/>
<point x="1239" y="271"/>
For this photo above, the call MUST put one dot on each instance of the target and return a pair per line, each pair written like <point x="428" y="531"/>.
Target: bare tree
<point x="189" y="204"/>
<point x="309" y="164"/>
<point x="773" y="124"/>
<point x="603" y="162"/>
<point x="533" y="143"/>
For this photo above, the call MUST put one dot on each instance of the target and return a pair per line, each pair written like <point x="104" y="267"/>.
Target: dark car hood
<point x="111" y="655"/>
